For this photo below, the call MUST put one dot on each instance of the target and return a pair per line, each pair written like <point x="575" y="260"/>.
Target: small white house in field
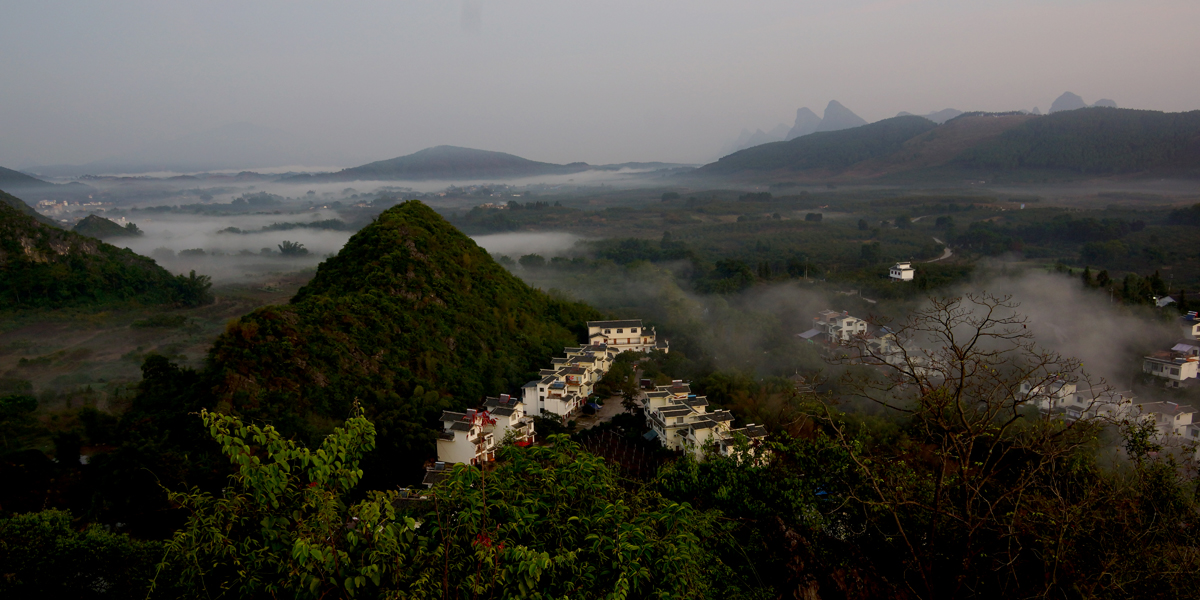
<point x="901" y="272"/>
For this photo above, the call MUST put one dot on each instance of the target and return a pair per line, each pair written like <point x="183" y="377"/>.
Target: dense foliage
<point x="43" y="555"/>
<point x="45" y="267"/>
<point x="546" y="522"/>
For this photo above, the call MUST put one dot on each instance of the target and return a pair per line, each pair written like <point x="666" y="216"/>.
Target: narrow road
<point x="947" y="253"/>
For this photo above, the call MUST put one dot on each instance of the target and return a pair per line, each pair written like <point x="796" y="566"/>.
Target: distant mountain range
<point x="1070" y="142"/>
<point x="836" y="117"/>
<point x="32" y="188"/>
<point x="453" y="163"/>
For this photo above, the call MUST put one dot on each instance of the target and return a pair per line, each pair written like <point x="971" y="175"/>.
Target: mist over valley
<point x="487" y="300"/>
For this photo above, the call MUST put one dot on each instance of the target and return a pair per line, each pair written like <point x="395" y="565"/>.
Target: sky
<point x="556" y="80"/>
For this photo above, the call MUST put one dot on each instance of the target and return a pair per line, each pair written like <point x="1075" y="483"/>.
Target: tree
<point x="871" y="253"/>
<point x="532" y="261"/>
<point x="1087" y="277"/>
<point x="862" y="225"/>
<point x="957" y="502"/>
<point x="813" y="217"/>
<point x="904" y="222"/>
<point x="292" y="249"/>
<point x="547" y="521"/>
<point x="667" y="196"/>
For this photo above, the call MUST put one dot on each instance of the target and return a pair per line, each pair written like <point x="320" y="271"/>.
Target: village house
<point x="1169" y="418"/>
<point x="680" y="420"/>
<point x="1175" y="366"/>
<point x="466" y="437"/>
<point x="901" y="271"/>
<point x="835" y="328"/>
<point x="625" y="335"/>
<point x="1191" y="325"/>
<point x="472" y="437"/>
<point x="512" y="424"/>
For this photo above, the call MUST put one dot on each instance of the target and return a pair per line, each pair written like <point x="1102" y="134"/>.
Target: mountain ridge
<point x="1094" y="141"/>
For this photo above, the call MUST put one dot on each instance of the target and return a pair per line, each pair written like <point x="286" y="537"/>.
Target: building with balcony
<point x="466" y="437"/>
<point x="681" y="421"/>
<point x="627" y="335"/>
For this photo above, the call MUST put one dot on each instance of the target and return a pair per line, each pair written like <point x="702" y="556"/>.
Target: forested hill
<point x="410" y="302"/>
<point x="47" y="267"/>
<point x="827" y="152"/>
<point x="1094" y="141"/>
<point x="101" y="228"/>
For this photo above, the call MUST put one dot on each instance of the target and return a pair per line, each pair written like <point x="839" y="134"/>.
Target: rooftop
<point x="610" y="324"/>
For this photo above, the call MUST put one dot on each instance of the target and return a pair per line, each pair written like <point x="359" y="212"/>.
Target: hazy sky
<point x="558" y="80"/>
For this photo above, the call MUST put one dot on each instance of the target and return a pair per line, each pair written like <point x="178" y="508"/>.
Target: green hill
<point x="101" y="228"/>
<point x="46" y="267"/>
<point x="410" y="317"/>
<point x="454" y="163"/>
<point x="1096" y="141"/>
<point x="828" y="151"/>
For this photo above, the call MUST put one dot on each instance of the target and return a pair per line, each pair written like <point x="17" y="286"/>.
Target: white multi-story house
<point x="680" y="420"/>
<point x="839" y="328"/>
<point x="1175" y="366"/>
<point x="472" y="437"/>
<point x="901" y="271"/>
<point x="512" y="424"/>
<point x="1169" y="418"/>
<point x="625" y="335"/>
<point x="1050" y="397"/>
<point x="466" y="437"/>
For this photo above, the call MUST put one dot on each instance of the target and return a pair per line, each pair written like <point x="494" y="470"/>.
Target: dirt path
<point x="947" y="253"/>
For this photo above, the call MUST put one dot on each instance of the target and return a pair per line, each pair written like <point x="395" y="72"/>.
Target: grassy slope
<point x="409" y="301"/>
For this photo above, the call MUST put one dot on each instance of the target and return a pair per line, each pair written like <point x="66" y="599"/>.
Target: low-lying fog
<point x="516" y="245"/>
<point x="171" y="239"/>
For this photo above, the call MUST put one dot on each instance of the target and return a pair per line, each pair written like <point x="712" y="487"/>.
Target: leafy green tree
<point x="532" y="261"/>
<point x="43" y="555"/>
<point x="547" y="522"/>
<point x="862" y="225"/>
<point x="292" y="249"/>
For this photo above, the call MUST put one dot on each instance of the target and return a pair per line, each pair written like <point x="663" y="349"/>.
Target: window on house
<point x="634" y="330"/>
<point x="620" y="331"/>
<point x="607" y="331"/>
<point x="1174" y="371"/>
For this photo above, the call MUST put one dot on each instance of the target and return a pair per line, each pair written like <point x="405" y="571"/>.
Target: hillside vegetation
<point x="410" y="317"/>
<point x="45" y="267"/>
<point x="100" y="228"/>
